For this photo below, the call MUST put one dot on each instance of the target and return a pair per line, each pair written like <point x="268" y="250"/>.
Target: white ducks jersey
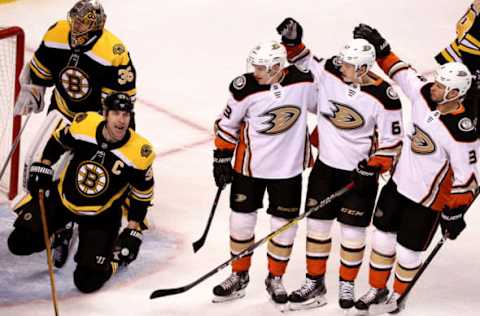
<point x="437" y="166"/>
<point x="355" y="122"/>
<point x="267" y="124"/>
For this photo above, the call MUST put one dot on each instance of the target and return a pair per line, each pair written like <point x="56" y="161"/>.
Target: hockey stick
<point x="14" y="146"/>
<point x="246" y="252"/>
<point x="46" y="239"/>
<point x="199" y="243"/>
<point x="390" y="307"/>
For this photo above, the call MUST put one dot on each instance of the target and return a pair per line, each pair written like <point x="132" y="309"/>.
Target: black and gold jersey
<point x="99" y="172"/>
<point x="466" y="46"/>
<point x="82" y="76"/>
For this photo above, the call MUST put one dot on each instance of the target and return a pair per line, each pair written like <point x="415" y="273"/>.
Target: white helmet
<point x="267" y="54"/>
<point x="454" y="75"/>
<point x="358" y="52"/>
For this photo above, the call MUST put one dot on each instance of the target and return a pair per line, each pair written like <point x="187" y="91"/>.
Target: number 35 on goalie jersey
<point x="99" y="173"/>
<point x="267" y="124"/>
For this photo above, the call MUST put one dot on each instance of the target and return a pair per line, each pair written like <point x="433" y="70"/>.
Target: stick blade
<point x="198" y="244"/>
<point x="167" y="292"/>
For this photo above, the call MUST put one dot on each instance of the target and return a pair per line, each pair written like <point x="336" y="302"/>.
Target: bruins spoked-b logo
<point x="281" y="119"/>
<point x="344" y="117"/>
<point x="92" y="179"/>
<point x="75" y="83"/>
<point x="421" y="142"/>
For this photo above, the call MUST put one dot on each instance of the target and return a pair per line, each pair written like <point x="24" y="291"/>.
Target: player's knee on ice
<point x="23" y="242"/>
<point x="88" y="280"/>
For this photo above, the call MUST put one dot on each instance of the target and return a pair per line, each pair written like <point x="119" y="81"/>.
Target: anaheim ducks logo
<point x="421" y="142"/>
<point x="92" y="178"/>
<point x="344" y="117"/>
<point x="281" y="119"/>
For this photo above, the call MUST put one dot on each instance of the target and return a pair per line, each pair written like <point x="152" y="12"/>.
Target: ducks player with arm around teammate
<point x="359" y="134"/>
<point x="263" y="133"/>
<point x="108" y="159"/>
<point x="436" y="177"/>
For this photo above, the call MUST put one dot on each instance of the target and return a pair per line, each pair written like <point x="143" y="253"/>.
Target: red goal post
<point x="12" y="48"/>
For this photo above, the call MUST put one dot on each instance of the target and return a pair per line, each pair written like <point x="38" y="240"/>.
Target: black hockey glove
<point x="40" y="177"/>
<point x="365" y="178"/>
<point x="291" y="32"/>
<point x="382" y="48"/>
<point x="452" y="222"/>
<point x="222" y="167"/>
<point x="127" y="246"/>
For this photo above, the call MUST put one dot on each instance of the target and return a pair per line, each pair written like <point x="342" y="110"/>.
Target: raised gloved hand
<point x="127" y="246"/>
<point x="452" y="222"/>
<point x="365" y="178"/>
<point x="291" y="32"/>
<point x="382" y="48"/>
<point x="40" y="177"/>
<point x="222" y="167"/>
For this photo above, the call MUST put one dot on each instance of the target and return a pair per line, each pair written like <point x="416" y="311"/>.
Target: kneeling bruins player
<point x="108" y="158"/>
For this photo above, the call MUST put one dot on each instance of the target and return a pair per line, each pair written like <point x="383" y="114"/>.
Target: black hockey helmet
<point x="118" y="102"/>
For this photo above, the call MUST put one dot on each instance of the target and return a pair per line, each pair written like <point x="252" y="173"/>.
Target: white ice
<point x="186" y="52"/>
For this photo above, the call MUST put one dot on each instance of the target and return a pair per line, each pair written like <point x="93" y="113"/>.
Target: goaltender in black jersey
<point x="82" y="60"/>
<point x="108" y="158"/>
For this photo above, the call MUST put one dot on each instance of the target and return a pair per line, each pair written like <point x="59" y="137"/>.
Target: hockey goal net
<point x="12" y="41"/>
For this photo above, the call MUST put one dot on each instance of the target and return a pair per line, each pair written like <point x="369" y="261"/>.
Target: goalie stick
<point x="171" y="291"/>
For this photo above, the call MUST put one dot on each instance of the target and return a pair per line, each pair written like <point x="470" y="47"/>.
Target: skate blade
<point x="312" y="303"/>
<point x="234" y="296"/>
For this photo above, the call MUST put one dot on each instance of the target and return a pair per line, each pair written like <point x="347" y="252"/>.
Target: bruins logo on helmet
<point x="281" y="119"/>
<point x="92" y="179"/>
<point x="344" y="117"/>
<point x="146" y="150"/>
<point x="421" y="142"/>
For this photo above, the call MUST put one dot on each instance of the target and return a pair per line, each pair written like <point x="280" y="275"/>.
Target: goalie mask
<point x="267" y="54"/>
<point x="86" y="18"/>
<point x="454" y="76"/>
<point x="358" y="52"/>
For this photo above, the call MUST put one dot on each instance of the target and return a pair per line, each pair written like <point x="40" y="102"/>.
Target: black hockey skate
<point x="373" y="296"/>
<point x="232" y="288"/>
<point x="62" y="241"/>
<point x="276" y="289"/>
<point x="346" y="294"/>
<point x="310" y="295"/>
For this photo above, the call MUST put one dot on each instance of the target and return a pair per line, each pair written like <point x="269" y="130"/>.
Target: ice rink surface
<point x="186" y="53"/>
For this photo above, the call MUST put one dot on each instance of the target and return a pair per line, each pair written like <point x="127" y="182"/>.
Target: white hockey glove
<point x="31" y="96"/>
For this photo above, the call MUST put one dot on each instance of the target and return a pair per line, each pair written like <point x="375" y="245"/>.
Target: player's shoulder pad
<point x="296" y="74"/>
<point x="58" y="33"/>
<point x="461" y="126"/>
<point x="85" y="124"/>
<point x="109" y="50"/>
<point x="384" y="93"/>
<point x="245" y="85"/>
<point x="138" y="151"/>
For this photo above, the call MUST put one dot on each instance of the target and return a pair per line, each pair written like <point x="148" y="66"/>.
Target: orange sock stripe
<point x="379" y="278"/>
<point x="399" y="286"/>
<point x="348" y="273"/>
<point x="317" y="266"/>
<point x="242" y="264"/>
<point x="276" y="267"/>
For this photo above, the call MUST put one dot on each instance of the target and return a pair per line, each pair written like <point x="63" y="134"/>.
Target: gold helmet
<point x="86" y="17"/>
